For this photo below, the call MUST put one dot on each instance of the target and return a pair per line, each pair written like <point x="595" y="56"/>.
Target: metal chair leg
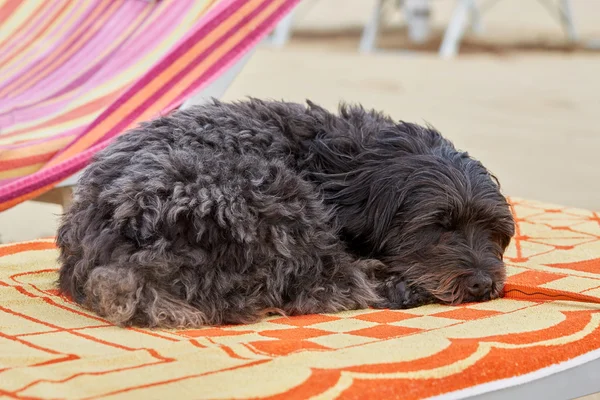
<point x="417" y="14"/>
<point x="566" y="18"/>
<point x="476" y="23"/>
<point x="456" y="28"/>
<point x="369" y="35"/>
<point x="283" y="31"/>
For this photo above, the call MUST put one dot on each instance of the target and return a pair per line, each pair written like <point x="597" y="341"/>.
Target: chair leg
<point x="476" y="23"/>
<point x="369" y="35"/>
<point x="417" y="14"/>
<point x="283" y="31"/>
<point x="566" y="18"/>
<point x="456" y="28"/>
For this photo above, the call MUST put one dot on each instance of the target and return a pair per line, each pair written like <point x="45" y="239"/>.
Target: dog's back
<point x="201" y="217"/>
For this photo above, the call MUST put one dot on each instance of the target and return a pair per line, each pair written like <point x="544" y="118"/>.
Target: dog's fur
<point x="226" y="212"/>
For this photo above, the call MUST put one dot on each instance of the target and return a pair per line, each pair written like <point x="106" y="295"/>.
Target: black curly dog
<point x="224" y="213"/>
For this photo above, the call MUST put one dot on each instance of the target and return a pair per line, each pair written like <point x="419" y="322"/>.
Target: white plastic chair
<point x="416" y="14"/>
<point x="467" y="14"/>
<point x="460" y="19"/>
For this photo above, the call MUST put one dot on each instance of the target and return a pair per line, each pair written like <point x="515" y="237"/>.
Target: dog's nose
<point x="480" y="285"/>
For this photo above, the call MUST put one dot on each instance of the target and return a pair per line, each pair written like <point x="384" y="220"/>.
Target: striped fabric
<point x="75" y="74"/>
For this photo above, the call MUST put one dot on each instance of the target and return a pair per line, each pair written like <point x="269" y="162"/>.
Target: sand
<point x="530" y="119"/>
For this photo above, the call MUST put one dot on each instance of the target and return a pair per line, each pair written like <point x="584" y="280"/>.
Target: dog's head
<point x="432" y="214"/>
<point x="445" y="229"/>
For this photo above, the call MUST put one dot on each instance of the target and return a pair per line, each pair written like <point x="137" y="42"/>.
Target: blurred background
<point x="520" y="91"/>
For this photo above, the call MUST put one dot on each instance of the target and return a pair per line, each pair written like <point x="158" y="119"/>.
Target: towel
<point x="547" y="321"/>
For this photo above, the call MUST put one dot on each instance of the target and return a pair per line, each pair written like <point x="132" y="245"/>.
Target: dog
<point x="227" y="212"/>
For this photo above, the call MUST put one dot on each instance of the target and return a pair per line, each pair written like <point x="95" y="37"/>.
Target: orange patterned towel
<point x="51" y="348"/>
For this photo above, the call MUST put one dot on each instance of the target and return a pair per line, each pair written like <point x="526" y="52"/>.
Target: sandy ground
<point x="530" y="119"/>
<point x="529" y="116"/>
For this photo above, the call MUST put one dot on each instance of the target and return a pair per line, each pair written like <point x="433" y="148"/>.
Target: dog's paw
<point x="399" y="294"/>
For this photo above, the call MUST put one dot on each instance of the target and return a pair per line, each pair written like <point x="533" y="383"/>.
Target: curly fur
<point x="223" y="213"/>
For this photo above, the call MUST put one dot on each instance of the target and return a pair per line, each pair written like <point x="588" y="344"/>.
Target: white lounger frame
<point x="62" y="193"/>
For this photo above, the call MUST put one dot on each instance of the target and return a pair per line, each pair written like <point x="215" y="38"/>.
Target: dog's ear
<point x="361" y="183"/>
<point x="367" y="204"/>
<point x="366" y="200"/>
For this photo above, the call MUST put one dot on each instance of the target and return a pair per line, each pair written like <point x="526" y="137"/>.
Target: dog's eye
<point x="500" y="256"/>
<point x="499" y="253"/>
<point x="502" y="240"/>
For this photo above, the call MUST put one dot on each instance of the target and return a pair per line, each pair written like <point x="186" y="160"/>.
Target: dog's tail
<point x="122" y="296"/>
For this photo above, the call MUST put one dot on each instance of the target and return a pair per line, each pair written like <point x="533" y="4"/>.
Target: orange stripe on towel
<point x="27" y="246"/>
<point x="535" y="293"/>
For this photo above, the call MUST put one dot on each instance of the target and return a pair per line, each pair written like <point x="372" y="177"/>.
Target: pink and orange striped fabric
<point x="75" y="74"/>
